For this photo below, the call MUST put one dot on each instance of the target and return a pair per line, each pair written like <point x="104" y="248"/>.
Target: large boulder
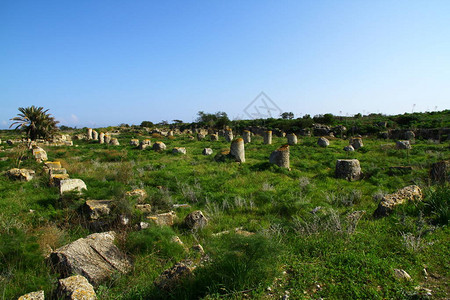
<point x="390" y="201"/>
<point x="144" y="144"/>
<point x="95" y="257"/>
<point x="195" y="220"/>
<point x="440" y="171"/>
<point x="76" y="288"/>
<point x="20" y="174"/>
<point x="115" y="142"/>
<point x="348" y="169"/>
<point x="69" y="185"/>
<point x="323" y="142"/>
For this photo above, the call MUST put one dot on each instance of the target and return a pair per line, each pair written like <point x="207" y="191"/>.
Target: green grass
<point x="309" y="255"/>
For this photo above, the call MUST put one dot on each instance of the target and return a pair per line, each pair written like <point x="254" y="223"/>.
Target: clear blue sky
<point x="96" y="63"/>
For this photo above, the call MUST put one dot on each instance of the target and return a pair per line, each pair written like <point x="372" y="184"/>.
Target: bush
<point x="155" y="240"/>
<point x="436" y="204"/>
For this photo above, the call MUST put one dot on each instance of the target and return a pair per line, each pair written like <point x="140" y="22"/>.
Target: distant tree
<point x="147" y="124"/>
<point x="306" y="117"/>
<point x="35" y="121"/>
<point x="163" y="123"/>
<point x="124" y="125"/>
<point x="177" y="121"/>
<point x="219" y="119"/>
<point x="287" y="115"/>
<point x="324" y="119"/>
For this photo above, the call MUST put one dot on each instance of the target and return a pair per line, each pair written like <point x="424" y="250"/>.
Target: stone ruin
<point x="101" y="138"/>
<point x="292" y="139"/>
<point x="228" y="135"/>
<point x="440" y="171"/>
<point x="237" y="150"/>
<point x="214" y="137"/>
<point x="348" y="169"/>
<point x="280" y="157"/>
<point x="268" y="137"/>
<point x="401" y="145"/>
<point x="144" y="144"/>
<point x="159" y="146"/>
<point x="356" y="143"/>
<point x="387" y="204"/>
<point x="247" y="136"/>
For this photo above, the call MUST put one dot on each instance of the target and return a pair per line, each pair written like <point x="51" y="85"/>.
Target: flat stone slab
<point x="95" y="257"/>
<point x="69" y="185"/>
<point x="95" y="209"/>
<point x="390" y="201"/>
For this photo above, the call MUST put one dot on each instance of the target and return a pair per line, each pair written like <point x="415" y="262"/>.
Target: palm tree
<point x="35" y="121"/>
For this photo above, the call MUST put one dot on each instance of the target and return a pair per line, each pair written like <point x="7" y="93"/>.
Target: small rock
<point x="39" y="295"/>
<point x="403" y="145"/>
<point x="170" y="278"/>
<point x="20" y="174"/>
<point x="401" y="274"/>
<point x="323" y="142"/>
<point x="95" y="209"/>
<point x="76" y="288"/>
<point x="179" y="150"/>
<point x="195" y="220"/>
<point x="207" y="151"/>
<point x="144" y="208"/>
<point x="388" y="202"/>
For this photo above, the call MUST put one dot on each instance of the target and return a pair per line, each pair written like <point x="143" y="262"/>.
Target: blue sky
<point x="97" y="63"/>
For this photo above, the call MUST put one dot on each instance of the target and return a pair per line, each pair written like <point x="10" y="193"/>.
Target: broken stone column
<point x="114" y="142"/>
<point x="292" y="139"/>
<point x="89" y="133"/>
<point x="348" y="169"/>
<point x="280" y="157"/>
<point x="101" y="138"/>
<point x="214" y="137"/>
<point x="268" y="137"/>
<point x="107" y="138"/>
<point x="356" y="143"/>
<point x="247" y="136"/>
<point x="228" y="135"/>
<point x="440" y="171"/>
<point x="200" y="137"/>
<point x="159" y="146"/>
<point x="144" y="144"/>
<point x="237" y="150"/>
<point x="323" y="142"/>
<point x="170" y="133"/>
<point x="94" y="135"/>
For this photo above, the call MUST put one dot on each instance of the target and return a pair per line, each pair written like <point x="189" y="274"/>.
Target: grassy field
<point x="294" y="252"/>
